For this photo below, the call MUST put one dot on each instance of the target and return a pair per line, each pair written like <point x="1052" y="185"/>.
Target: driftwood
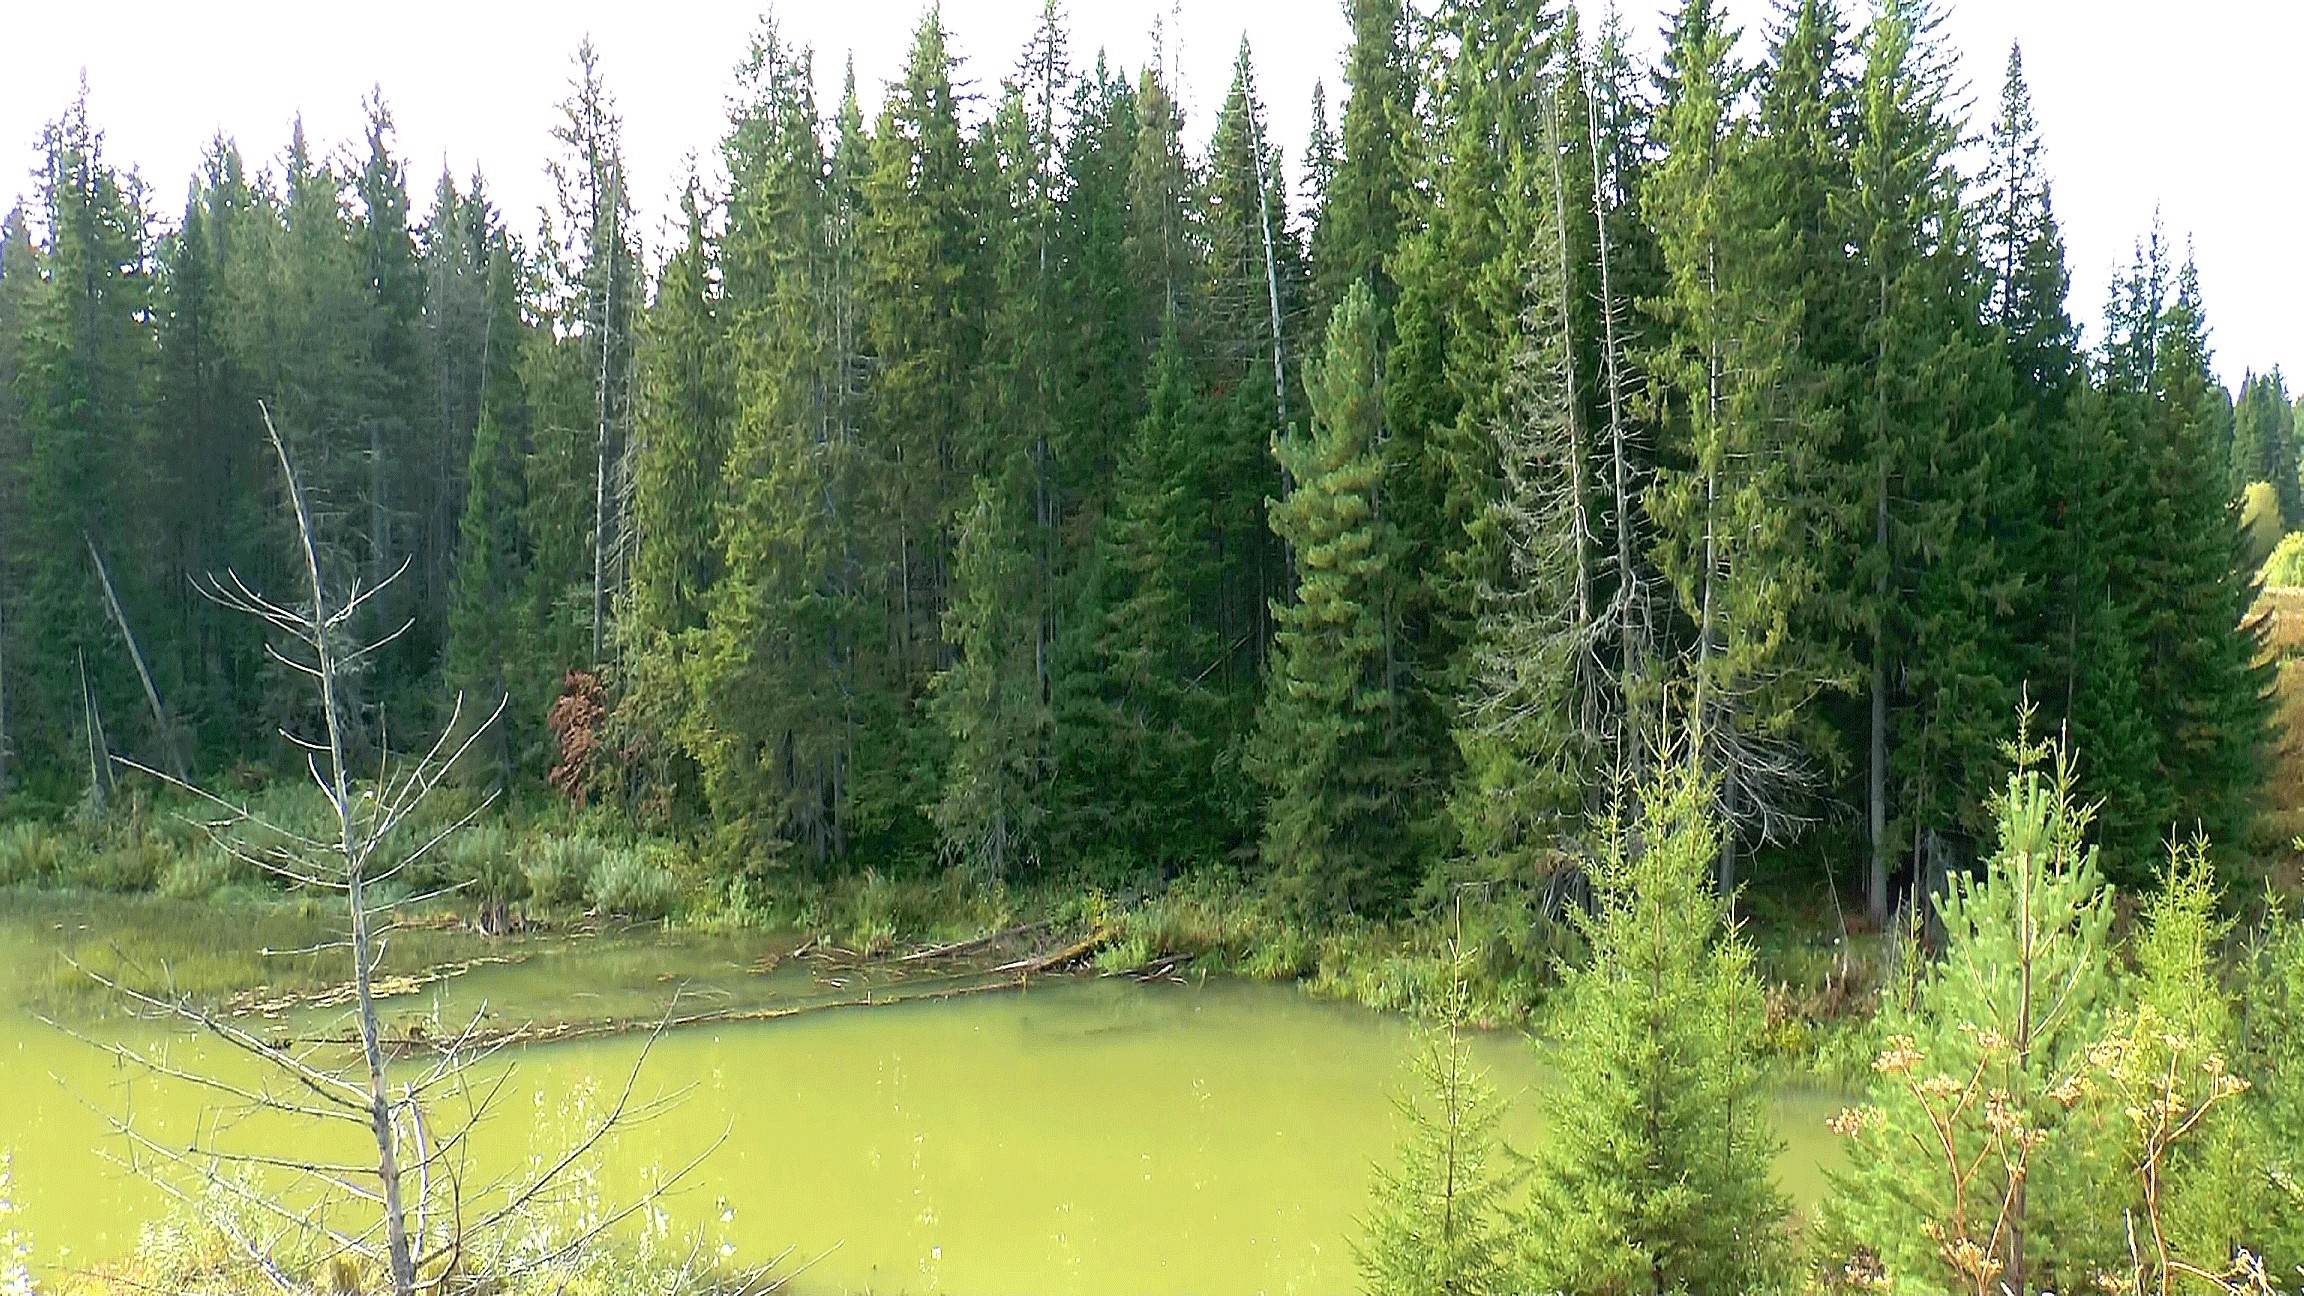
<point x="1016" y="975"/>
<point x="975" y="946"/>
<point x="1070" y="954"/>
<point x="263" y="1001"/>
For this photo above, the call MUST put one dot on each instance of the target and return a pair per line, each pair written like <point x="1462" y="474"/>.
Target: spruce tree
<point x="1140" y="727"/>
<point x="2264" y="442"/>
<point x="1655" y="1175"/>
<point x="2203" y="677"/>
<point x="212" y="514"/>
<point x="490" y="634"/>
<point x="1498" y="214"/>
<point x="599" y="301"/>
<point x="989" y="704"/>
<point x="1364" y="201"/>
<point x="87" y="359"/>
<point x="771" y="690"/>
<point x="1329" y="750"/>
<point x="1437" y="1222"/>
<point x="393" y="277"/>
<point x="1103" y="354"/>
<point x="454" y="265"/>
<point x="18" y="278"/>
<point x="1253" y="288"/>
<point x="680" y="437"/>
<point x="1529" y="728"/>
<point x="1935" y="585"/>
<point x="1743" y="419"/>
<point x="920" y="320"/>
<point x="1162" y="244"/>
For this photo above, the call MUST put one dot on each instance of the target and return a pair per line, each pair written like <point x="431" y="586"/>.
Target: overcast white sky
<point x="2193" y="109"/>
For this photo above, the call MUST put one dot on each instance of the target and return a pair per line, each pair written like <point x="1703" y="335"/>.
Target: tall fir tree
<point x="86" y="370"/>
<point x="1656" y="1176"/>
<point x="1253" y="292"/>
<point x="19" y="278"/>
<point x="1142" y="731"/>
<point x="920" y="287"/>
<point x="491" y="634"/>
<point x="1364" y="202"/>
<point x="772" y="721"/>
<point x="2202" y="680"/>
<point x="1489" y="223"/>
<point x="1340" y="779"/>
<point x="2264" y="443"/>
<point x="680" y="439"/>
<point x="1934" y="584"/>
<point x="988" y="702"/>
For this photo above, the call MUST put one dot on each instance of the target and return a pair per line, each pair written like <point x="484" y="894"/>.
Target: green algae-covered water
<point x="1086" y="1135"/>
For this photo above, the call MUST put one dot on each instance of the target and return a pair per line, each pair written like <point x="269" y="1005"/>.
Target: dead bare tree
<point x="414" y="1208"/>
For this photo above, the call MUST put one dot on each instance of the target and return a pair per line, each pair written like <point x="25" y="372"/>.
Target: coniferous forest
<point x="1011" y="489"/>
<point x="1622" y="482"/>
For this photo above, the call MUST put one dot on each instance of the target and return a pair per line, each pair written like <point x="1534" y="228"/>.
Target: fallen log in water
<point x="1072" y="953"/>
<point x="263" y="1001"/>
<point x="975" y="946"/>
<point x="1016" y="975"/>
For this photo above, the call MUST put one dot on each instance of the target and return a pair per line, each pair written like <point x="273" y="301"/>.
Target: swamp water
<point x="1086" y="1135"/>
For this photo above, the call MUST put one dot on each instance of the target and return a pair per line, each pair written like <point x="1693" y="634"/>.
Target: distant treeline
<point x="999" y="482"/>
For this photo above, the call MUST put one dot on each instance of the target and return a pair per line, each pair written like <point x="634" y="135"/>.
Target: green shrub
<point x="2261" y="526"/>
<point x="2286" y="565"/>
<point x="31" y="853"/>
<point x="559" y="869"/>
<point x="630" y="884"/>
<point x="198" y="872"/>
<point x="127" y="863"/>
<point x="484" y="862"/>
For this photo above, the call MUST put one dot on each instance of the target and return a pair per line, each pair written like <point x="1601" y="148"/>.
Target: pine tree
<point x="989" y="702"/>
<point x="2219" y="1181"/>
<point x="1329" y="747"/>
<point x="2273" y="1023"/>
<point x="2009" y="1014"/>
<point x="1437" y="1222"/>
<point x="1655" y="1176"/>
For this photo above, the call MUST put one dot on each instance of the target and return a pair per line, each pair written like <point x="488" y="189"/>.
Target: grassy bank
<point x="555" y="868"/>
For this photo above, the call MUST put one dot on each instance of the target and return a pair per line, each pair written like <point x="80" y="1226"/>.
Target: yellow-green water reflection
<point x="1086" y="1136"/>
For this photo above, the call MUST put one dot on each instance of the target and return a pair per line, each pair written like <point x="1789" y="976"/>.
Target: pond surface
<point x="1086" y="1135"/>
